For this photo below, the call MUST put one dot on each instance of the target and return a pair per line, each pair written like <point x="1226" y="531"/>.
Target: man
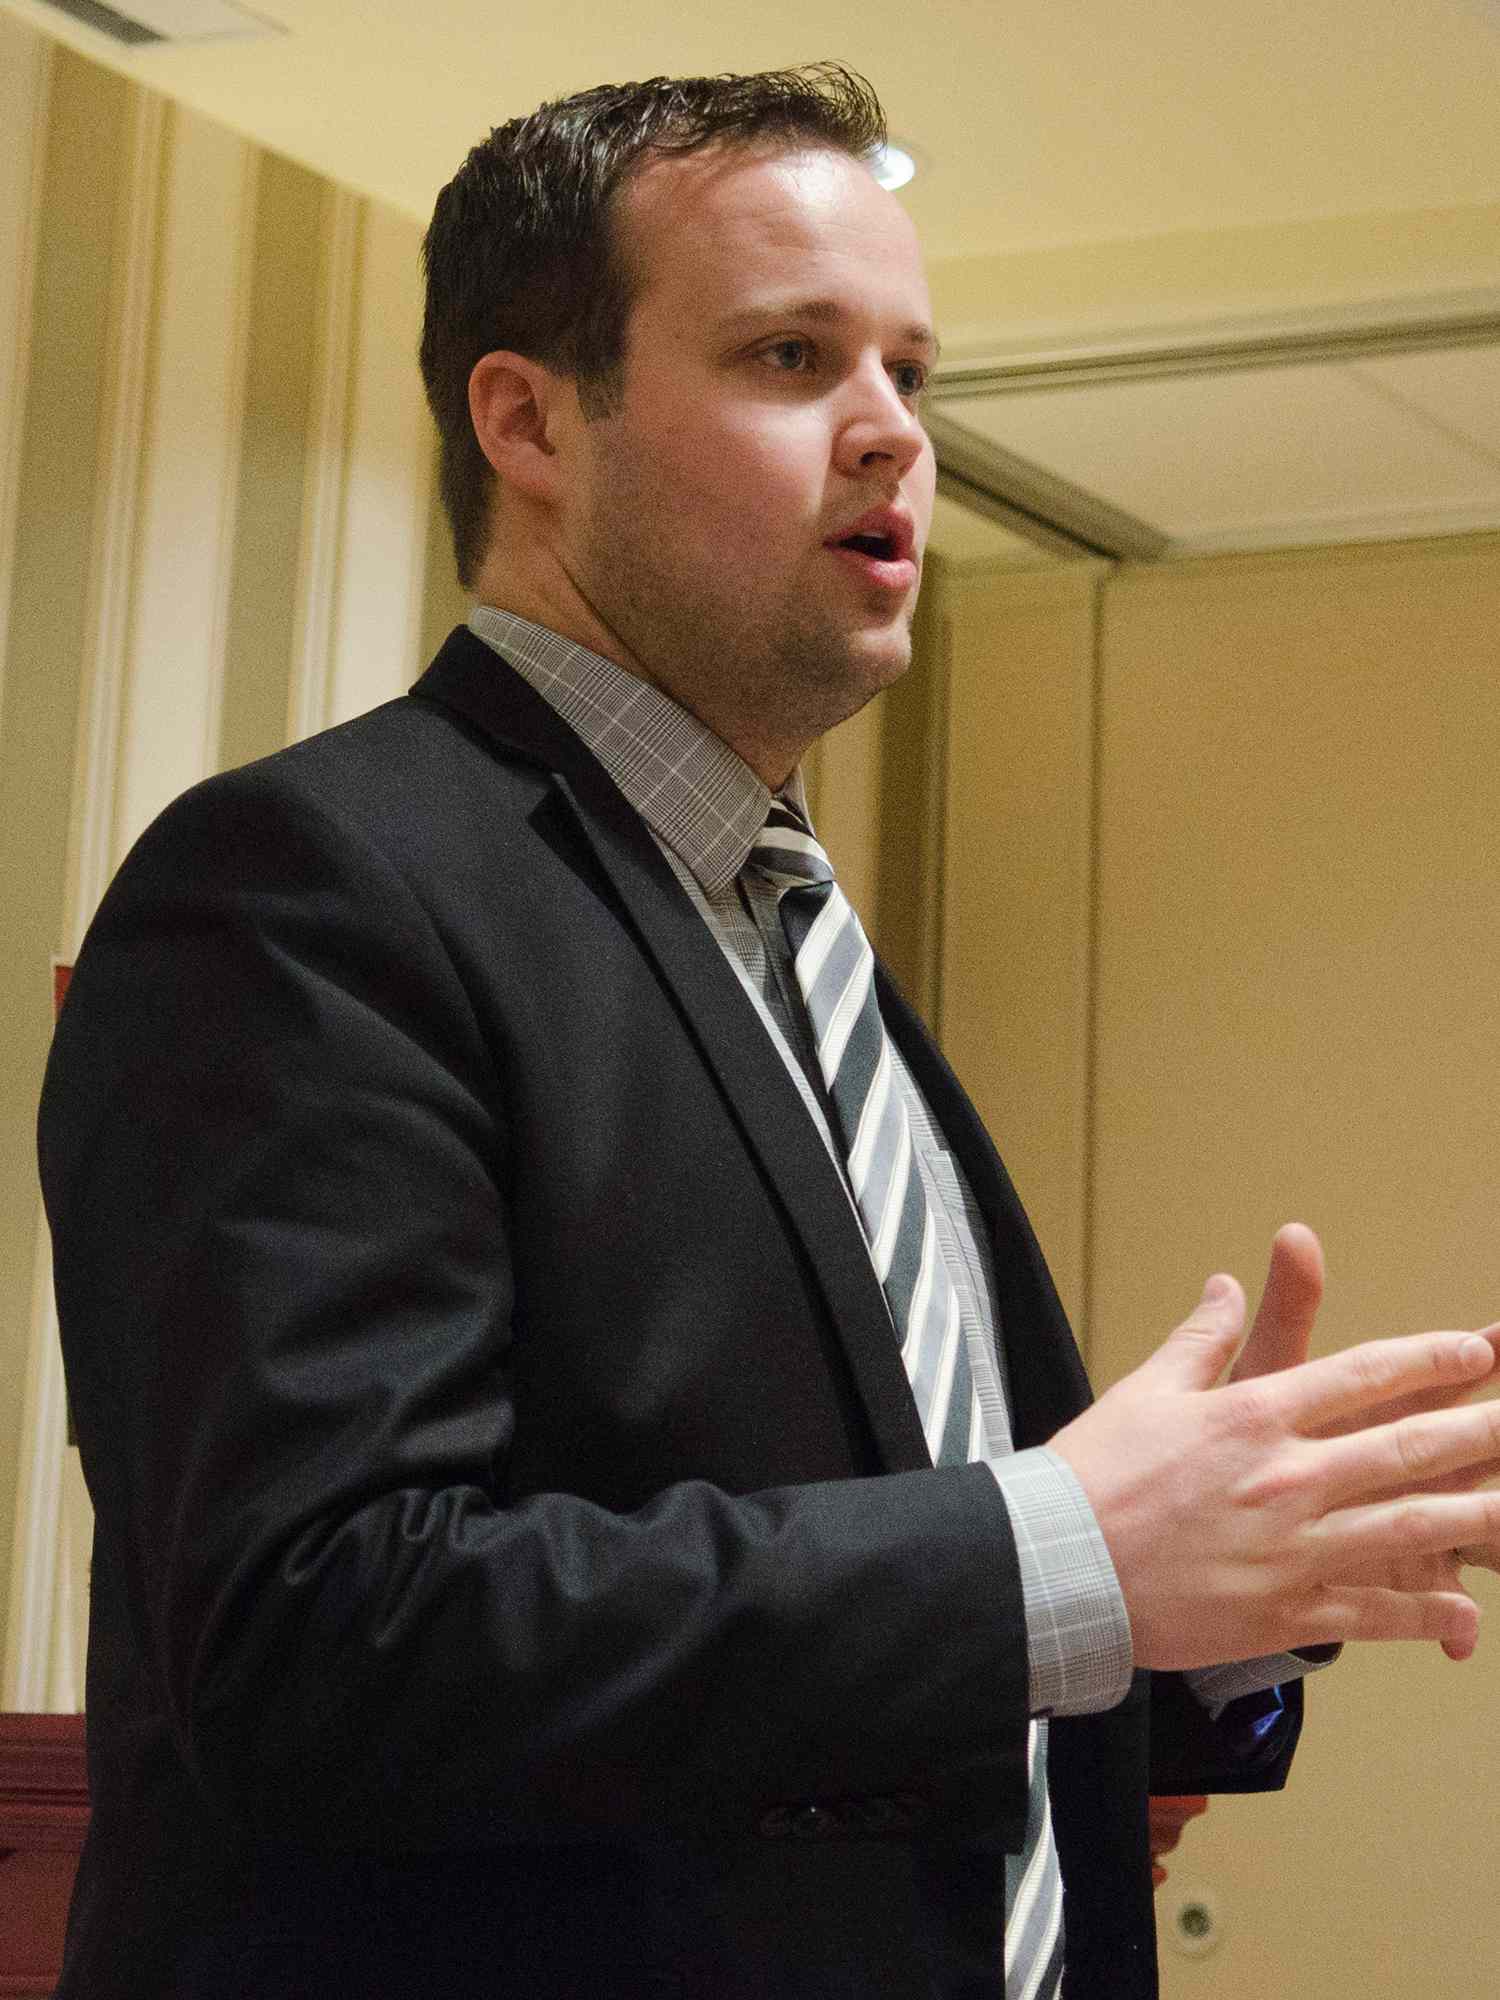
<point x="594" y="1489"/>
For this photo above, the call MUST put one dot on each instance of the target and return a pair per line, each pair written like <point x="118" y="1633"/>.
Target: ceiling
<point x="1044" y="124"/>
<point x="1198" y="451"/>
<point x="1099" y="184"/>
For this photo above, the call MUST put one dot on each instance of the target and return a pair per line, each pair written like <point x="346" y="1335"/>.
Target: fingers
<point x="1366" y="1612"/>
<point x="1288" y="1306"/>
<point x="1198" y="1352"/>
<point x="1463" y="1481"/>
<point x="1447" y="1448"/>
<point x="1440" y="1398"/>
<point x="1389" y="1534"/>
<point x="1439" y="1573"/>
<point x="1366" y="1378"/>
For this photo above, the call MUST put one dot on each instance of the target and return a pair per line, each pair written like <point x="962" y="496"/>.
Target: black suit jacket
<point x="518" y="1568"/>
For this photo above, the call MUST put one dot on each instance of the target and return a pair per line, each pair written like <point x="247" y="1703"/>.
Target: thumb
<point x="1196" y="1355"/>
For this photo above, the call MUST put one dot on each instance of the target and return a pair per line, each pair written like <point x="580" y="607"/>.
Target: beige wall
<point x="1276" y="997"/>
<point x="1298" y="963"/>
<point x="1017" y="875"/>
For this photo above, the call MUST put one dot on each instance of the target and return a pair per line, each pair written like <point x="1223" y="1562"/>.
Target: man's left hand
<point x="1280" y="1339"/>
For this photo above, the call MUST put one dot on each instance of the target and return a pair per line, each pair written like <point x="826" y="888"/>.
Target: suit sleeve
<point x="277" y="1160"/>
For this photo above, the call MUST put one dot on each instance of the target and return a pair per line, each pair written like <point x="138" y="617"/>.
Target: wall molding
<point x="1029" y="493"/>
<point x="1210" y="346"/>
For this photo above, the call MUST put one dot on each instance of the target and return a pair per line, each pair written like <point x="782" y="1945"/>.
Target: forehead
<point x="719" y="233"/>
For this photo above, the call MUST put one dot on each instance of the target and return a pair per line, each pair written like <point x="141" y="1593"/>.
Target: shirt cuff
<point x="1077" y="1627"/>
<point x="1216" y="1687"/>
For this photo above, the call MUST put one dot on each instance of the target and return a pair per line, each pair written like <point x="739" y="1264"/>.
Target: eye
<point x="789" y="356"/>
<point x="910" y="378"/>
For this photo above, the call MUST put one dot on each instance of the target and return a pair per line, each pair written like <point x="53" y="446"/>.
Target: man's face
<point x="774" y="361"/>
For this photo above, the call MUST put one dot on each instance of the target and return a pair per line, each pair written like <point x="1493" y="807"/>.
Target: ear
<point x="517" y="408"/>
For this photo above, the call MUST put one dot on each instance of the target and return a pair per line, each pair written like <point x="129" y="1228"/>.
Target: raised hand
<point x="1300" y="1501"/>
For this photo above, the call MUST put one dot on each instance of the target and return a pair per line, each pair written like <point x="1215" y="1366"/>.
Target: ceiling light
<point x="893" y="165"/>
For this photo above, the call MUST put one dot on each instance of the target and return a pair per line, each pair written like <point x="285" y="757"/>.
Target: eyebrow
<point x="821" y="312"/>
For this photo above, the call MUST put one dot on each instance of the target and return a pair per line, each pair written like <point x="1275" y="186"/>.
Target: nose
<point x="879" y="426"/>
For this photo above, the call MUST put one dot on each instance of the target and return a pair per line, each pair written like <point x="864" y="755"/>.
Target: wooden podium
<point x="44" y="1813"/>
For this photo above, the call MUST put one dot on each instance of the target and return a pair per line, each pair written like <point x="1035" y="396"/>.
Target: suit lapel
<point x="761" y="1099"/>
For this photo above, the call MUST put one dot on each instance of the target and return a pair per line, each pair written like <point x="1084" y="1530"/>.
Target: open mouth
<point x="881" y="547"/>
<point x="884" y="538"/>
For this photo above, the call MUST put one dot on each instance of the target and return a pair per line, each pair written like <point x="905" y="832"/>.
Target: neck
<point x="510" y="588"/>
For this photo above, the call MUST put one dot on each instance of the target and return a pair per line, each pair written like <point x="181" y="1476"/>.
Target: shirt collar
<point x="697" y="795"/>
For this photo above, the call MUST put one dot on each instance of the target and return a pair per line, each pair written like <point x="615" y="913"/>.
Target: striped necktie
<point x="835" y="972"/>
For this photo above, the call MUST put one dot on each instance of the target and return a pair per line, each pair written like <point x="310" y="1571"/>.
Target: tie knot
<point x="787" y="852"/>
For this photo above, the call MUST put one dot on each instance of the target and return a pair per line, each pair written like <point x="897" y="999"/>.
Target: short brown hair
<point x="521" y="252"/>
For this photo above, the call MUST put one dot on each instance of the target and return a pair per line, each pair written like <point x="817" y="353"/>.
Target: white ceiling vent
<point x="145" y="21"/>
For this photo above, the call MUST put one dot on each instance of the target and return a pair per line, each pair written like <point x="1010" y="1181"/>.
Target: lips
<point x="879" y="552"/>
<point x="884" y="534"/>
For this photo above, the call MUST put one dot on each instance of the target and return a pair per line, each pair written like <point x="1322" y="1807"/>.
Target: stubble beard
<point x="753" y="672"/>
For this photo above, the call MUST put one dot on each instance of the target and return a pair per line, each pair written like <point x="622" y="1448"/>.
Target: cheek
<point x="740" y="492"/>
<point x="768" y="469"/>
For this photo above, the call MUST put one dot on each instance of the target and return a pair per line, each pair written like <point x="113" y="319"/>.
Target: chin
<point x="885" y="658"/>
<point x="866" y="676"/>
<point x="822" y="675"/>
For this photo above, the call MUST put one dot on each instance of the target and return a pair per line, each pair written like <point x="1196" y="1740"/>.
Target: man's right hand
<point x="1300" y="1502"/>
